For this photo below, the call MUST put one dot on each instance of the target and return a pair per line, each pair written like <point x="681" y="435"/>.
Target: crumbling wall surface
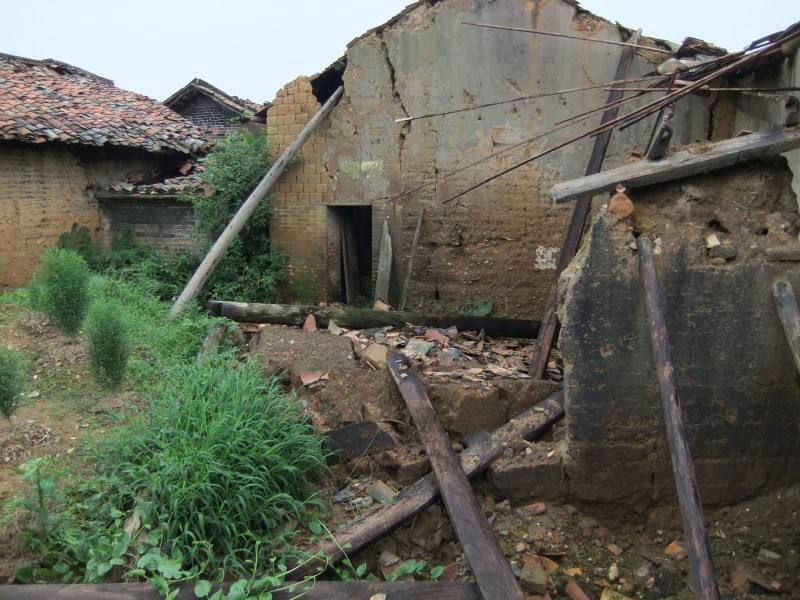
<point x="162" y="224"/>
<point x="45" y="188"/>
<point x="738" y="384"/>
<point x="501" y="241"/>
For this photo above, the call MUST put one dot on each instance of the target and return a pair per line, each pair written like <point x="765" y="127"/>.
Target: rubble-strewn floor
<point x="755" y="545"/>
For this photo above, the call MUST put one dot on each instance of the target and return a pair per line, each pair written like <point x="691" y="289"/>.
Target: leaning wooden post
<point x="789" y="315"/>
<point x="225" y="239"/>
<point x="483" y="553"/>
<point x="580" y="214"/>
<point x="702" y="567"/>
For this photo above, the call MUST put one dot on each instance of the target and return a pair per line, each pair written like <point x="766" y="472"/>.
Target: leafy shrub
<point x="108" y="342"/>
<point x="226" y="461"/>
<point x="249" y="270"/>
<point x="79" y="239"/>
<point x="12" y="380"/>
<point x="63" y="288"/>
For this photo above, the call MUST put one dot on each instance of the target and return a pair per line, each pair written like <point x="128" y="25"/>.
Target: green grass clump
<point x="225" y="459"/>
<point x="108" y="343"/>
<point x="12" y="380"/>
<point x="62" y="288"/>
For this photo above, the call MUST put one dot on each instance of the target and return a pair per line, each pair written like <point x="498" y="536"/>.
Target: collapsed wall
<point x="499" y="242"/>
<point x="723" y="239"/>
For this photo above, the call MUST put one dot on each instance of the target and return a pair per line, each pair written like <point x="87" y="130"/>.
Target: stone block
<point x="463" y="408"/>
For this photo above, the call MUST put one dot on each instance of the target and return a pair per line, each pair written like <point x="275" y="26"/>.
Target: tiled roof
<point x="234" y="103"/>
<point x="188" y="181"/>
<point x="50" y="101"/>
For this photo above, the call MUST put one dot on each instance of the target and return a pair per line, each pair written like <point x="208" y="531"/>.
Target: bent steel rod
<point x="702" y="568"/>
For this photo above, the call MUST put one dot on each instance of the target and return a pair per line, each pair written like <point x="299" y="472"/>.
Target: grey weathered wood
<point x="417" y="497"/>
<point x="789" y="315"/>
<point x="249" y="206"/>
<point x="694" y="529"/>
<point x="580" y="214"/>
<point x="384" y="265"/>
<point x="360" y="318"/>
<point x="319" y="590"/>
<point x="214" y="340"/>
<point x="683" y="164"/>
<point x="404" y="294"/>
<point x="486" y="559"/>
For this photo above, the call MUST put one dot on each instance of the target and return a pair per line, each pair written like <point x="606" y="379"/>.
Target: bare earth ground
<point x="756" y="545"/>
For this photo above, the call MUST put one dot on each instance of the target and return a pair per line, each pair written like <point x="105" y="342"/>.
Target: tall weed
<point x="108" y="342"/>
<point x="225" y="458"/>
<point x="12" y="380"/>
<point x="64" y="288"/>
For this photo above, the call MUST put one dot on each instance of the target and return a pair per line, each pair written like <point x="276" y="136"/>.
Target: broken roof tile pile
<point x="50" y="101"/>
<point x="188" y="181"/>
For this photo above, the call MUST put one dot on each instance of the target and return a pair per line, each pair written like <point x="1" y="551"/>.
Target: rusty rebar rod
<point x="702" y="567"/>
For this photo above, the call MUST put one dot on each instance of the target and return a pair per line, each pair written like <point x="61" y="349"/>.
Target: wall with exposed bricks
<point x="499" y="242"/>
<point x="161" y="224"/>
<point x="45" y="188"/>
<point x="213" y="120"/>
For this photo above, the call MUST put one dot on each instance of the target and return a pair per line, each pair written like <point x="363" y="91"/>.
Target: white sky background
<point x="251" y="48"/>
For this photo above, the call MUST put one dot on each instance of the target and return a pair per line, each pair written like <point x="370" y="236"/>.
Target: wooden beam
<point x="420" y="495"/>
<point x="580" y="214"/>
<point x="319" y="590"/>
<point x="214" y="340"/>
<point x="486" y="559"/>
<point x="249" y="206"/>
<point x="360" y="318"/>
<point x="404" y="294"/>
<point x="683" y="164"/>
<point x="789" y="315"/>
<point x="704" y="581"/>
<point x="384" y="265"/>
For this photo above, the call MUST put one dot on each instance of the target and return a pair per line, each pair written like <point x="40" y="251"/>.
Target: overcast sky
<point x="250" y="48"/>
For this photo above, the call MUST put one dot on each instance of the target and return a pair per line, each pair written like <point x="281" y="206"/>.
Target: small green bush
<point x="108" y="342"/>
<point x="12" y="380"/>
<point x="64" y="294"/>
<point x="226" y="461"/>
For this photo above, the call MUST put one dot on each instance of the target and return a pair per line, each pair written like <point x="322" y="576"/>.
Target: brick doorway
<point x="350" y="253"/>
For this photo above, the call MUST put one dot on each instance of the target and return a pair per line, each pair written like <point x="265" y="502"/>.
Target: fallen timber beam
<point x="359" y="318"/>
<point x="422" y="494"/>
<point x="704" y="581"/>
<point x="489" y="565"/>
<point x="580" y="214"/>
<point x="683" y="164"/>
<point x="789" y="314"/>
<point x="319" y="590"/>
<point x="247" y="209"/>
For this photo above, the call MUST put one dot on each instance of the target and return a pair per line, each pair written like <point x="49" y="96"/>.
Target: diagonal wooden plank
<point x="424" y="492"/>
<point x="704" y="581"/>
<point x="580" y="214"/>
<point x="682" y="164"/>
<point x="246" y="210"/>
<point x="486" y="560"/>
<point x="789" y="314"/>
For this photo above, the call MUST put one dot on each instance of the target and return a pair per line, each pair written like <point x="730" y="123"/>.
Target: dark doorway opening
<point x="352" y="244"/>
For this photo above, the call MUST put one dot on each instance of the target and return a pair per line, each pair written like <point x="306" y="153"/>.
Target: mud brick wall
<point x="45" y="188"/>
<point x="499" y="242"/>
<point x="737" y="382"/>
<point x="161" y="224"/>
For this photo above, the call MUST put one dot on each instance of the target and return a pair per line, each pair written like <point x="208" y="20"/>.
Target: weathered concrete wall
<point x="45" y="188"/>
<point x="158" y="223"/>
<point x="737" y="381"/>
<point x="501" y="241"/>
